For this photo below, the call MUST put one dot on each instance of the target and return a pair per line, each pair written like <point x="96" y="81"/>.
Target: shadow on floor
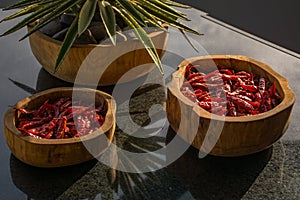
<point x="46" y="183"/>
<point x="218" y="177"/>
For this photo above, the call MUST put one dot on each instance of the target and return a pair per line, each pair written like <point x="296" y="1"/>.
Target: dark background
<point x="276" y="21"/>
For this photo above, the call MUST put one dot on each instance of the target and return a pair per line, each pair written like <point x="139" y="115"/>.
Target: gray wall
<point x="274" y="20"/>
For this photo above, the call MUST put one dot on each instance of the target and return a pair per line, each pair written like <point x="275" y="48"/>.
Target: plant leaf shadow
<point x="216" y="177"/>
<point x="157" y="184"/>
<point x="46" y="183"/>
<point x="46" y="81"/>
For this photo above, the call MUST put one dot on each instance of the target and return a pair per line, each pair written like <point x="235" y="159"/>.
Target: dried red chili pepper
<point x="247" y="93"/>
<point x="198" y="79"/>
<point x="226" y="71"/>
<point x="262" y="85"/>
<point x="56" y="120"/>
<point x="61" y="126"/>
<point x="197" y="74"/>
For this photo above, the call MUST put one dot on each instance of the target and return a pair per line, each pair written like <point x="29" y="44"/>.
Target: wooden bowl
<point x="42" y="152"/>
<point x="111" y="62"/>
<point x="239" y="135"/>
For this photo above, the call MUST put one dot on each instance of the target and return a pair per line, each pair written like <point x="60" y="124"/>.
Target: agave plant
<point x="135" y="13"/>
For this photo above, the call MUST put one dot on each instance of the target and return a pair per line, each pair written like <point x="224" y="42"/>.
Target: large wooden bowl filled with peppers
<point x="229" y="105"/>
<point x="61" y="126"/>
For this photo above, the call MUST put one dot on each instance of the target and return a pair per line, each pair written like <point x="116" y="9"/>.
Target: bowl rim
<point x="9" y="118"/>
<point x="57" y="42"/>
<point x="177" y="80"/>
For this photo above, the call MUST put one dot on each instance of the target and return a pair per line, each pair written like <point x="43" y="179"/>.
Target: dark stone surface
<point x="52" y="28"/>
<point x="98" y="30"/>
<point x="272" y="20"/>
<point x="270" y="174"/>
<point x="61" y="34"/>
<point x="86" y="38"/>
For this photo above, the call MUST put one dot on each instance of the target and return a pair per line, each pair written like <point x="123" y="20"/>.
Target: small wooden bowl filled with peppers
<point x="229" y="105"/>
<point x="61" y="126"/>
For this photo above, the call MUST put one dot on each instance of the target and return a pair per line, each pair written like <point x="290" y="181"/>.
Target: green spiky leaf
<point x="176" y="4"/>
<point x="136" y="13"/>
<point x="169" y="9"/>
<point x="109" y="20"/>
<point x="86" y="15"/>
<point x="35" y="16"/>
<point x="189" y="41"/>
<point x="67" y="43"/>
<point x="24" y="11"/>
<point x="165" y="17"/>
<point x="22" y="4"/>
<point x="133" y="12"/>
<point x="142" y="36"/>
<point x="150" y="18"/>
<point x="50" y="17"/>
<point x="150" y="7"/>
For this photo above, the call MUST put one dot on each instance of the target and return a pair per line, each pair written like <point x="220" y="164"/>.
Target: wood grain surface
<point x="239" y="135"/>
<point x="60" y="152"/>
<point x="108" y="62"/>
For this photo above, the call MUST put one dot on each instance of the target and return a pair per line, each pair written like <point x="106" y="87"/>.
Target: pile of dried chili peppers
<point x="60" y="119"/>
<point x="228" y="92"/>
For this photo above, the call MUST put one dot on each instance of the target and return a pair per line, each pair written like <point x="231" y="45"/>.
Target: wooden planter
<point x="59" y="152"/>
<point x="108" y="61"/>
<point x="239" y="135"/>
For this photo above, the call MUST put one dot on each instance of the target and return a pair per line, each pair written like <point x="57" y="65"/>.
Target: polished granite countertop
<point x="271" y="174"/>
